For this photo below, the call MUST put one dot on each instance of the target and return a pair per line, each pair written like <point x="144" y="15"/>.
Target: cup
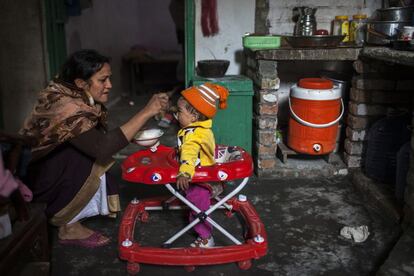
<point x="322" y="32"/>
<point x="407" y="33"/>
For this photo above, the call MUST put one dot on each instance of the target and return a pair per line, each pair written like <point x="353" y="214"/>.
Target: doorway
<point x="139" y="36"/>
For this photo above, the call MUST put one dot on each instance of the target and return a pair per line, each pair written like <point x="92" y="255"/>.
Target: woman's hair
<point x="192" y="110"/>
<point x="82" y="64"/>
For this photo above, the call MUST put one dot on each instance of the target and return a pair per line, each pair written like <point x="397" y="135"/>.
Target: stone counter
<point x="330" y="54"/>
<point x="389" y="55"/>
<point x="340" y="53"/>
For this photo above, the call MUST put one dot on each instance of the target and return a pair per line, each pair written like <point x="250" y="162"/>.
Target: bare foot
<point x="77" y="231"/>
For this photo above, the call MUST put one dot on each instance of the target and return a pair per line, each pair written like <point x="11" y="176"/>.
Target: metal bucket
<point x="341" y="81"/>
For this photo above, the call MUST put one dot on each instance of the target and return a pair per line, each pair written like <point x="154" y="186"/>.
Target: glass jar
<point x="357" y="30"/>
<point x="340" y="26"/>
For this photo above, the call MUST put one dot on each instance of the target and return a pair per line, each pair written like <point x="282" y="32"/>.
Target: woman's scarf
<point x="62" y="112"/>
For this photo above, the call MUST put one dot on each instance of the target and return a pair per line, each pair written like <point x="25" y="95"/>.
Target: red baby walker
<point x="158" y="165"/>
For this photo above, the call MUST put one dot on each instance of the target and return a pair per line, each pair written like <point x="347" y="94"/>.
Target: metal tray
<point x="314" y="41"/>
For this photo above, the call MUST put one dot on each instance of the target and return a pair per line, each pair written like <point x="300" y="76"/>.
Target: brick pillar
<point x="374" y="90"/>
<point x="266" y="83"/>
<point x="378" y="87"/>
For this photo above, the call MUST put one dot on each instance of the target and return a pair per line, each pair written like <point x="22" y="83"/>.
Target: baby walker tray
<point x="159" y="166"/>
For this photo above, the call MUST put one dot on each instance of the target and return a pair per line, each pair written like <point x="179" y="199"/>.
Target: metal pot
<point x="394" y="14"/>
<point x="341" y="80"/>
<point x="383" y="32"/>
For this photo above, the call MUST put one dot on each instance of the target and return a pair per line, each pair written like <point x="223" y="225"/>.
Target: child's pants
<point x="200" y="197"/>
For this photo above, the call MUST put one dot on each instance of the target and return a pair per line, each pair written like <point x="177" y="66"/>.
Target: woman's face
<point x="100" y="84"/>
<point x="184" y="116"/>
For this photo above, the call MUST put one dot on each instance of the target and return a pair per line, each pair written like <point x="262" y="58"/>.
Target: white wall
<point x="22" y="59"/>
<point x="280" y="12"/>
<point x="235" y="17"/>
<point x="113" y="27"/>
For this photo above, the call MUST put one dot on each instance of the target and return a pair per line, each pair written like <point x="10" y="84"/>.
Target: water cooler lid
<point x="315" y="83"/>
<point x="315" y="89"/>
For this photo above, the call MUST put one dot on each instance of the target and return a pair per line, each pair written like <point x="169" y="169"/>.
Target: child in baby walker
<point x="196" y="146"/>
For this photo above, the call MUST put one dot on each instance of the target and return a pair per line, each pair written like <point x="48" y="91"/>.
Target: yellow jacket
<point x="196" y="146"/>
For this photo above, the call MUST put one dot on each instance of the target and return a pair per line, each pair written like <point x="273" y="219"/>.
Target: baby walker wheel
<point x="133" y="268"/>
<point x="245" y="265"/>
<point x="189" y="268"/>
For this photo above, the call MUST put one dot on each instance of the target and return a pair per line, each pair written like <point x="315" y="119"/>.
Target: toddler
<point x="196" y="145"/>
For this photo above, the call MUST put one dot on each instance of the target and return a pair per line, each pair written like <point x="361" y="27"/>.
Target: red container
<point x="315" y="108"/>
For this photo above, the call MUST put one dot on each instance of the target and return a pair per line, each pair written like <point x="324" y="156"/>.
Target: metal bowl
<point x="212" y="68"/>
<point x="148" y="137"/>
<point x="314" y="41"/>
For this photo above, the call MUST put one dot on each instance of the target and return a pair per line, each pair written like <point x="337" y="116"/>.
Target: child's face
<point x="184" y="116"/>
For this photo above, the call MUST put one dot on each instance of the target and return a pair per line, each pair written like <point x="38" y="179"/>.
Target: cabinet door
<point x="189" y="41"/>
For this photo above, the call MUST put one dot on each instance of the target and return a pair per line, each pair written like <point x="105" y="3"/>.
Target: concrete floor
<point x="303" y="218"/>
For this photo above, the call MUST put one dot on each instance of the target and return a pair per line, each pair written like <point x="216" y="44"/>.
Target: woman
<point x="73" y="147"/>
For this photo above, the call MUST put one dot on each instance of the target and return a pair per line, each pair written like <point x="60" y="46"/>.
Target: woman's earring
<point x="90" y="98"/>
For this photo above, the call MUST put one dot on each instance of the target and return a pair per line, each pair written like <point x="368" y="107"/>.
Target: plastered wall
<point x="235" y="17"/>
<point x="22" y="59"/>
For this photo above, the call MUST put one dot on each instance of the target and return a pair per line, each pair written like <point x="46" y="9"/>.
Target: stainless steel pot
<point x="383" y="32"/>
<point x="394" y="14"/>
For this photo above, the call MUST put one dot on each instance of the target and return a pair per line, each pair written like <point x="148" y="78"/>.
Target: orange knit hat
<point x="204" y="98"/>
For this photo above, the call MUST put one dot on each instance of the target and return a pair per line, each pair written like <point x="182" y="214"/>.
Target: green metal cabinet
<point x="233" y="125"/>
<point x="55" y="18"/>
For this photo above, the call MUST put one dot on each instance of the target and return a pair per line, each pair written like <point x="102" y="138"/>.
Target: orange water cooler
<point x="315" y="108"/>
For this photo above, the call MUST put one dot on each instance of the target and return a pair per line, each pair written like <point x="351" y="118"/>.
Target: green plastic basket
<point x="261" y="41"/>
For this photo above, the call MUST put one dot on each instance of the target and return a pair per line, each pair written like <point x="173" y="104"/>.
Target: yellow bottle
<point x="357" y="29"/>
<point x="341" y="27"/>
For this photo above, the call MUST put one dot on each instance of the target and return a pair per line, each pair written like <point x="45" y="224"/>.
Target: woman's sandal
<point x="93" y="241"/>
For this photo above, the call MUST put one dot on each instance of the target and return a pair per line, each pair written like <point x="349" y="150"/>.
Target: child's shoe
<point x="203" y="243"/>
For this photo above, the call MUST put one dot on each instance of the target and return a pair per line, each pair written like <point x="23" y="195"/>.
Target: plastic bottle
<point x="341" y="27"/>
<point x="357" y="29"/>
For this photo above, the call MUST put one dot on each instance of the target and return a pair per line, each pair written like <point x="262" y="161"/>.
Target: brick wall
<point x="376" y="89"/>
